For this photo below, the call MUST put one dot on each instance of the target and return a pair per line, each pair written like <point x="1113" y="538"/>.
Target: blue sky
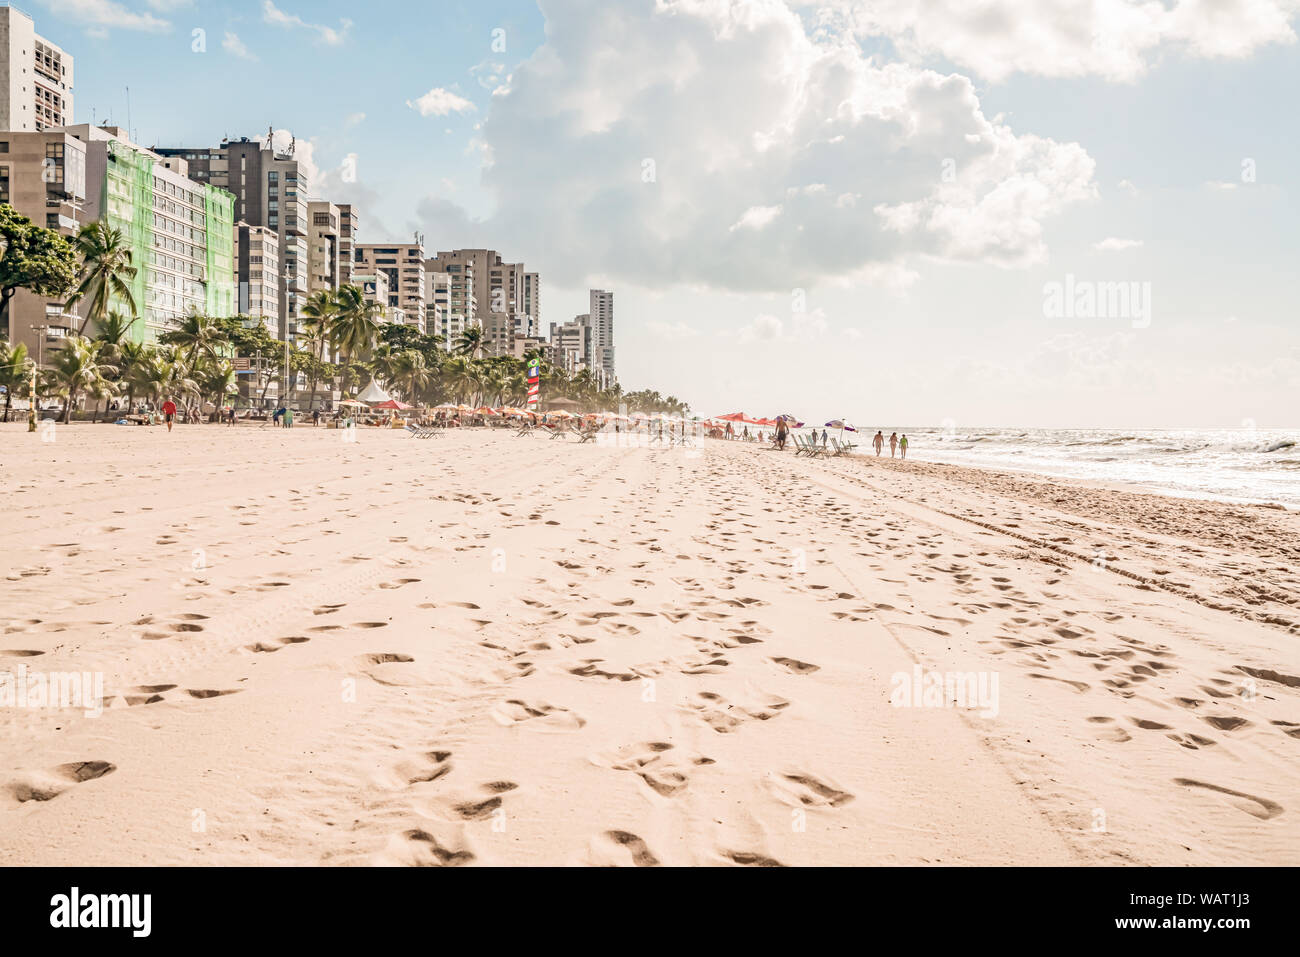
<point x="799" y="246"/>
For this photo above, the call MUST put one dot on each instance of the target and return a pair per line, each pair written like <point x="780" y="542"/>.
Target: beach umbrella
<point x="391" y="404"/>
<point x="485" y="410"/>
<point x="841" y="425"/>
<point x="733" y="417"/>
<point x="352" y="402"/>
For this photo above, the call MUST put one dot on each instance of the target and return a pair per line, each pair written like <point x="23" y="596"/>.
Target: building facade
<point x="257" y="274"/>
<point x="404" y="265"/>
<point x="348" y="224"/>
<point x="271" y="189"/>
<point x="489" y="292"/>
<point x="324" y="249"/>
<point x="35" y="77"/>
<point x="601" y="312"/>
<point x="180" y="233"/>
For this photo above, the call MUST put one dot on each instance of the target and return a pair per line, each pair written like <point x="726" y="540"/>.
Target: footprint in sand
<point x="800" y="789"/>
<point x="398" y="583"/>
<point x="796" y="666"/>
<point x="537" y="715"/>
<point x="383" y="658"/>
<point x="419" y="848"/>
<point x="47" y="785"/>
<point x="724" y="717"/>
<point x="421" y="769"/>
<point x="1261" y="808"/>
<point x="620" y="849"/>
<point x="262" y="647"/>
<point x="663" y="772"/>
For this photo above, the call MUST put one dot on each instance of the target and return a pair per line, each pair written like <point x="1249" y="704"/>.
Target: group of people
<point x="897" y="443"/>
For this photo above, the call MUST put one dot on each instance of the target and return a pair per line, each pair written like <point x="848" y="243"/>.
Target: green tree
<point x="106" y="271"/>
<point x="78" y="369"/>
<point x="15" y="372"/>
<point x="34" y="258"/>
<point x="470" y="342"/>
<point x="355" y="328"/>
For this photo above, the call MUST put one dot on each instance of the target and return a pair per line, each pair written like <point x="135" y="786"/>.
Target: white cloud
<point x="1221" y="185"/>
<point x="440" y="102"/>
<point x="99" y="16"/>
<point x="291" y="21"/>
<point x="762" y="329"/>
<point x="353" y="119"/>
<point x="756" y="217"/>
<point x="235" y="47"/>
<point x="1113" y="244"/>
<point x="1114" y="39"/>
<point x="651" y="158"/>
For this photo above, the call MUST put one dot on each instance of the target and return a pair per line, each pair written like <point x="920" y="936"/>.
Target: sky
<point x="1053" y="213"/>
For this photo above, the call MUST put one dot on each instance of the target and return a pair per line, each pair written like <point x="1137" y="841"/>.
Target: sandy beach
<point x="483" y="649"/>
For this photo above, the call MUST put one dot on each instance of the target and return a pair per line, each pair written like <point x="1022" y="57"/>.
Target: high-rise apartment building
<point x="571" y="344"/>
<point x="323" y="246"/>
<point x="532" y="299"/>
<point x="257" y="272"/>
<point x="501" y="292"/>
<point x="602" y="334"/>
<point x="374" y="288"/>
<point x="180" y="232"/>
<point x="35" y="77"/>
<point x="404" y="265"/>
<point x="348" y="224"/>
<point x="271" y="189"/>
<point x="457" y="301"/>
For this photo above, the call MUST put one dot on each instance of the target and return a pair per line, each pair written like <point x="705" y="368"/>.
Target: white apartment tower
<point x="601" y="312"/>
<point x="35" y="77"/>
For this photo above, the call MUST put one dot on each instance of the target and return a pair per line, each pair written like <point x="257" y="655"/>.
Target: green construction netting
<point x="221" y="257"/>
<point x="128" y="200"/>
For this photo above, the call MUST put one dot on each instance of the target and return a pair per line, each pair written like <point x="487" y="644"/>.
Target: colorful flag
<point x="534" y="378"/>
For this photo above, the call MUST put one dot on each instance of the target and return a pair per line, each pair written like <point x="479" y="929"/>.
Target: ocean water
<point x="1236" y="465"/>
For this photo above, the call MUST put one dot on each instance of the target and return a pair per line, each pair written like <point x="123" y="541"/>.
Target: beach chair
<point x="420" y="432"/>
<point x="526" y="428"/>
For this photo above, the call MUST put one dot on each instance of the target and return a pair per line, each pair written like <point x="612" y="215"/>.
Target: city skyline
<point x="894" y="261"/>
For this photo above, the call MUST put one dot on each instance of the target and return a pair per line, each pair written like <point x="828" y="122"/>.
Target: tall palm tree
<point x="78" y="368"/>
<point x="106" y="271"/>
<point x="410" y="374"/>
<point x="200" y="337"/>
<point x="161" y="372"/>
<point x="129" y="355"/>
<point x="470" y="341"/>
<point x="318" y="315"/>
<point x="356" y="326"/>
<point x="15" y="371"/>
<point x="218" y="380"/>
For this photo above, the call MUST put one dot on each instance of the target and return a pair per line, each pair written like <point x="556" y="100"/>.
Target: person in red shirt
<point x="169" y="413"/>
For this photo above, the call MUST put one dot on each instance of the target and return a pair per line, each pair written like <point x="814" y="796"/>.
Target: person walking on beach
<point x="878" y="440"/>
<point x="902" y="446"/>
<point x="315" y="418"/>
<point x="780" y="434"/>
<point x="893" y="443"/>
<point x="823" y="437"/>
<point x="288" y="418"/>
<point x="169" y="412"/>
